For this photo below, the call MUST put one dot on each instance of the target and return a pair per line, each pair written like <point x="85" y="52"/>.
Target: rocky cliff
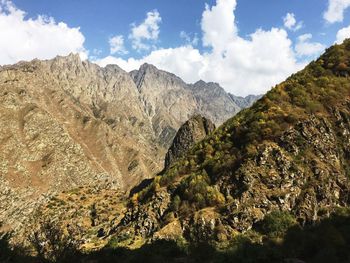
<point x="191" y="132"/>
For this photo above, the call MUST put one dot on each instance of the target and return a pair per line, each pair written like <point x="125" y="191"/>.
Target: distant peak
<point x="147" y="67"/>
<point x="200" y="82"/>
<point x="72" y="57"/>
<point x="114" y="67"/>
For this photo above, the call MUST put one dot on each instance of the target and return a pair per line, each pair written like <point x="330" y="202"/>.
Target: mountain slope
<point x="66" y="123"/>
<point x="289" y="152"/>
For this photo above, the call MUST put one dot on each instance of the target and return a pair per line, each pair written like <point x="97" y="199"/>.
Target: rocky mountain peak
<point x="199" y="83"/>
<point x="244" y="102"/>
<point x="192" y="131"/>
<point x="145" y="67"/>
<point x="72" y="58"/>
<point x="114" y="68"/>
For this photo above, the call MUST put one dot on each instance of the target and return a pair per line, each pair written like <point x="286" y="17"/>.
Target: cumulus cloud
<point x="116" y="44"/>
<point x="218" y="25"/>
<point x="242" y="66"/>
<point x="145" y="32"/>
<point x="290" y="22"/>
<point x="305" y="47"/>
<point x="335" y="10"/>
<point x="342" y="34"/>
<point x="185" y="61"/>
<point x="189" y="39"/>
<point x="24" y="38"/>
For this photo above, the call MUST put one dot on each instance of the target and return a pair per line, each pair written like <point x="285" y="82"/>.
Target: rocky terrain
<point x="283" y="162"/>
<point x="66" y="123"/>
<point x="269" y="185"/>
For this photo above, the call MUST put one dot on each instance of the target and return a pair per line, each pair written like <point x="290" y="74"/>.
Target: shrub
<point x="175" y="203"/>
<point x="277" y="223"/>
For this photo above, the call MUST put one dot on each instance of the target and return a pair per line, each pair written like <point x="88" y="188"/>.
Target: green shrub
<point x="277" y="223"/>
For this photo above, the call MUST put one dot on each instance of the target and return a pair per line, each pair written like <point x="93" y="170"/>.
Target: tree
<point x="52" y="244"/>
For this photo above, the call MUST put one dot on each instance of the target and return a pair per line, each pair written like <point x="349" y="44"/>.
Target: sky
<point x="247" y="46"/>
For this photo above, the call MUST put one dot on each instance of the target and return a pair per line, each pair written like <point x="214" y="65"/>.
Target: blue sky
<point x="245" y="45"/>
<point x="99" y="20"/>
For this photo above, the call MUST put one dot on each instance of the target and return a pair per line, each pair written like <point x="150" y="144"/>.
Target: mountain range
<point x="105" y="165"/>
<point x="67" y="123"/>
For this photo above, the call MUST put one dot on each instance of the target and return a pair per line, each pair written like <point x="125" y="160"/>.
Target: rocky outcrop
<point x="192" y="131"/>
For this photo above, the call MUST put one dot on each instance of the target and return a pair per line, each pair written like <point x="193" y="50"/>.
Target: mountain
<point x="244" y="102"/>
<point x="169" y="101"/>
<point x="67" y="123"/>
<point x="280" y="164"/>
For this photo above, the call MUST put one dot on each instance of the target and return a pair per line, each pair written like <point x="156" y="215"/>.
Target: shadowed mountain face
<point x="65" y="123"/>
<point x="191" y="132"/>
<point x="287" y="157"/>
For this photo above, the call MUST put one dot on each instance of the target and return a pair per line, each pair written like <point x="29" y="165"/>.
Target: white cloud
<point x="147" y="31"/>
<point x="335" y="10"/>
<point x="189" y="40"/>
<point x="343" y="34"/>
<point x="290" y="22"/>
<point x="305" y="47"/>
<point x="241" y="65"/>
<point x="24" y="38"/>
<point x="218" y="25"/>
<point x="185" y="61"/>
<point x="116" y="44"/>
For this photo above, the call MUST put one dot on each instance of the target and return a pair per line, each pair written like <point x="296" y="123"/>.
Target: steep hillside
<point x="269" y="185"/>
<point x="287" y="156"/>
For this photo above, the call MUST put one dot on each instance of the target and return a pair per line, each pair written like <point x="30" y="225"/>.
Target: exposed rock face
<point x="244" y="102"/>
<point x="66" y="123"/>
<point x="169" y="101"/>
<point x="166" y="100"/>
<point x="214" y="102"/>
<point x="191" y="132"/>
